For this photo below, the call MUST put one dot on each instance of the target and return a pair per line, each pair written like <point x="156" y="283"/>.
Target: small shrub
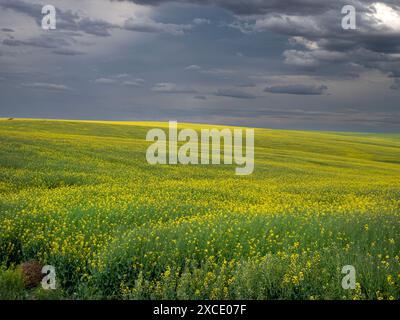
<point x="11" y="284"/>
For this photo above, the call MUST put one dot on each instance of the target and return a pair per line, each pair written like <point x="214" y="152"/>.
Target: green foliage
<point x="11" y="284"/>
<point x="43" y="294"/>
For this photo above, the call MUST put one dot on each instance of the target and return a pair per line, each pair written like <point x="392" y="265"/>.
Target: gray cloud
<point x="234" y="93"/>
<point x="135" y="82"/>
<point x="105" y="81"/>
<point x="321" y="44"/>
<point x="151" y="26"/>
<point x="200" y="97"/>
<point x="297" y="89"/>
<point x="66" y="20"/>
<point x="30" y="9"/>
<point x="169" y="87"/>
<point x="95" y="27"/>
<point x="43" y="41"/>
<point x="218" y="71"/>
<point x="73" y="24"/>
<point x="68" y="52"/>
<point x="46" y="86"/>
<point x="124" y="79"/>
<point x="193" y="67"/>
<point x="200" y="21"/>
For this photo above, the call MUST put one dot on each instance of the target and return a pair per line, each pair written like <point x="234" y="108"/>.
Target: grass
<point x="11" y="284"/>
<point x="80" y="196"/>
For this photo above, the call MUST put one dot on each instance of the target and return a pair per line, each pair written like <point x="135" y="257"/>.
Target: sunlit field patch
<point x="81" y="196"/>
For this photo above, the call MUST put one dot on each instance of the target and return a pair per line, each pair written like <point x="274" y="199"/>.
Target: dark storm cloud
<point x="73" y="24"/>
<point x="321" y="42"/>
<point x="298" y="89"/>
<point x="260" y="7"/>
<point x="255" y="7"/>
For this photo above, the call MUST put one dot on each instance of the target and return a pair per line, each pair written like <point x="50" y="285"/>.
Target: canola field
<point x="80" y="196"/>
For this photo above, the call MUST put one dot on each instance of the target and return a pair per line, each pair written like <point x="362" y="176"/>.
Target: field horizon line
<point x="164" y="123"/>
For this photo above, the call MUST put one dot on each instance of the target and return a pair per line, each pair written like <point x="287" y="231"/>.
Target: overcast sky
<point x="262" y="63"/>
